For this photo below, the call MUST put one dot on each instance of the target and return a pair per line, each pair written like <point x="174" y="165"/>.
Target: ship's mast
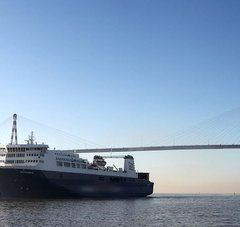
<point x="31" y="138"/>
<point x="14" y="129"/>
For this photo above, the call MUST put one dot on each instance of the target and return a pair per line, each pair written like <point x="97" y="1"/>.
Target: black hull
<point x="20" y="183"/>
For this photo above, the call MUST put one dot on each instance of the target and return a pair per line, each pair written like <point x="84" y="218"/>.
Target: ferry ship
<point x="32" y="170"/>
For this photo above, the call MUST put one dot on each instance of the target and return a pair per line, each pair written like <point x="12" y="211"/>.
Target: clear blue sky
<point x="124" y="73"/>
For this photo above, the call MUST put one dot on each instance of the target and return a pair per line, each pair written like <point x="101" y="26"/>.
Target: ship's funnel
<point x="129" y="166"/>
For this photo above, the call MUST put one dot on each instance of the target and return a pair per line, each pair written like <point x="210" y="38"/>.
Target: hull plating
<point x="20" y="183"/>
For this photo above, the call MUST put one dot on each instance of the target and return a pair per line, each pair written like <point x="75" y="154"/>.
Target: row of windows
<point x="17" y="149"/>
<point x="71" y="160"/>
<point x="21" y="161"/>
<point x="67" y="159"/>
<point x="32" y="154"/>
<point x="20" y="155"/>
<point x="68" y="155"/>
<point x="23" y="149"/>
<point x="69" y="164"/>
<point x="10" y="155"/>
<point x="16" y="155"/>
<point x="31" y="160"/>
<point x="35" y="154"/>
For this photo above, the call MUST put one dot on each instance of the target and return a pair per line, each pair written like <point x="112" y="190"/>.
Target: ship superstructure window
<point x="33" y="154"/>
<point x="3" y="155"/>
<point x="9" y="161"/>
<point x="59" y="163"/>
<point x="19" y="161"/>
<point x="35" y="149"/>
<point x="32" y="160"/>
<point x="66" y="164"/>
<point x="15" y="149"/>
<point x="10" y="155"/>
<point x="20" y="155"/>
<point x="73" y="165"/>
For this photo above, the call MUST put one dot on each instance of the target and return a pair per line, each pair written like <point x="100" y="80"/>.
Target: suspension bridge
<point x="159" y="148"/>
<point x="223" y="131"/>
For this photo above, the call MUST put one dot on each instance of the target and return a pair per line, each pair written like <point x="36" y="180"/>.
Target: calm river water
<point x="158" y="210"/>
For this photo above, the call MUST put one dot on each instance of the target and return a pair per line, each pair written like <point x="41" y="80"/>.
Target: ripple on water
<point x="159" y="210"/>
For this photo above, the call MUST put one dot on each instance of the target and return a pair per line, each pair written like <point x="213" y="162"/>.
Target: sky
<point x="127" y="73"/>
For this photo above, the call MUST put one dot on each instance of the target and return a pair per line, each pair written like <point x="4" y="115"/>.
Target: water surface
<point x="157" y="210"/>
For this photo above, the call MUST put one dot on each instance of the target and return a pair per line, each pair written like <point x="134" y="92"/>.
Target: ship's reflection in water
<point x="158" y="210"/>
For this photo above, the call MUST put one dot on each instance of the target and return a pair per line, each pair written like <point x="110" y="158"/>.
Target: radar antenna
<point x="30" y="138"/>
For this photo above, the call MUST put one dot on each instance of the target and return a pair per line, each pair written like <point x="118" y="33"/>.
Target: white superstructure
<point x="38" y="157"/>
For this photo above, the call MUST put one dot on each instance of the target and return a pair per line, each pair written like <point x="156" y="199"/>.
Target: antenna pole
<point x="14" y="129"/>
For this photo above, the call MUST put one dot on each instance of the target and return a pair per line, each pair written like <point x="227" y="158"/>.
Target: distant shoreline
<point x="193" y="194"/>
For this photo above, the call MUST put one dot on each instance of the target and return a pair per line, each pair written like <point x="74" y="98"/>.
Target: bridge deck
<point x="160" y="148"/>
